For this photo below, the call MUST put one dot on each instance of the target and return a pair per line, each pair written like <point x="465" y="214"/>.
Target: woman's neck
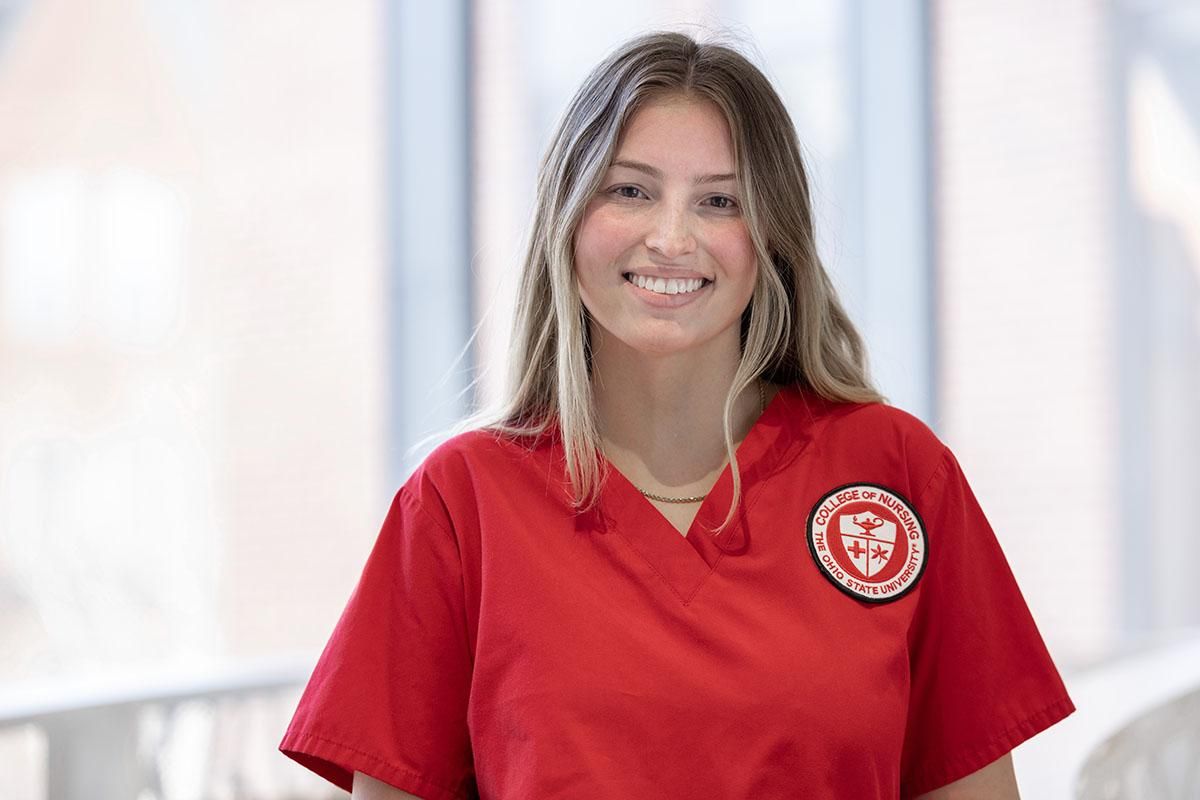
<point x="660" y="418"/>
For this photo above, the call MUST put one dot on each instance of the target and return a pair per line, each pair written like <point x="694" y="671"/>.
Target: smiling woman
<point x="662" y="235"/>
<point x="837" y="618"/>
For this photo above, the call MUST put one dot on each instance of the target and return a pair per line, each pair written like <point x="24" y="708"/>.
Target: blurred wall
<point x="192" y="413"/>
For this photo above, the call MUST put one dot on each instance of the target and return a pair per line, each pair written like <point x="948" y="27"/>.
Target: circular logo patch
<point x="868" y="541"/>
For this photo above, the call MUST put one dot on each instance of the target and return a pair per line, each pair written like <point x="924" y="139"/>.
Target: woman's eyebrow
<point x="656" y="173"/>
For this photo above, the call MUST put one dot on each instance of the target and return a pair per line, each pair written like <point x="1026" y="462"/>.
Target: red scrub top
<point x="856" y="632"/>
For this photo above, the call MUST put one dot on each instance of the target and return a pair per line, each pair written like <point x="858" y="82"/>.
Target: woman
<point x="694" y="554"/>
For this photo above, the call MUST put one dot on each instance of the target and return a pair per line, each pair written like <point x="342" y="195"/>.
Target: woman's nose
<point x="670" y="233"/>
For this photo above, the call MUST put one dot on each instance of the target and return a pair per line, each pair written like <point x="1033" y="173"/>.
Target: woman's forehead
<point x="677" y="134"/>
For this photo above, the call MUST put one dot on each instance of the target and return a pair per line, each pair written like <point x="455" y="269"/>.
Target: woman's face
<point x="668" y="212"/>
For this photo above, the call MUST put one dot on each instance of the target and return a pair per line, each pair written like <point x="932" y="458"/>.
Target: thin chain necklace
<point x="762" y="406"/>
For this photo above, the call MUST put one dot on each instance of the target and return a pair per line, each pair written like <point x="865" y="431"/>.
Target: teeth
<point x="666" y="285"/>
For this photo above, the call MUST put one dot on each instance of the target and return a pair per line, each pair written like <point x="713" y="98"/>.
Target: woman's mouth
<point x="667" y="286"/>
<point x="667" y="293"/>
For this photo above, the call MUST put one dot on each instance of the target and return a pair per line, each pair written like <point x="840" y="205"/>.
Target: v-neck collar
<point x="685" y="562"/>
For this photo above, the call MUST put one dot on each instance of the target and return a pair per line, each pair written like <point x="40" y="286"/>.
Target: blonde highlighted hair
<point x="793" y="332"/>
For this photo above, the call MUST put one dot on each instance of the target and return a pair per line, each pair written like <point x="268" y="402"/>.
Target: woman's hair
<point x="793" y="332"/>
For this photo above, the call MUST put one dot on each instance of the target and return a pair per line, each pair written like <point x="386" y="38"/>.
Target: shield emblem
<point x="869" y="541"/>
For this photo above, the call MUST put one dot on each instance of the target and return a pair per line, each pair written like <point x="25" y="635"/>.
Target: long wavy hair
<point x="794" y="331"/>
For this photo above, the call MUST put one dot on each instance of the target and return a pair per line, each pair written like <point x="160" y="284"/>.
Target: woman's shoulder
<point x="459" y="462"/>
<point x="875" y="433"/>
<point x="873" y="421"/>
<point x="485" y="444"/>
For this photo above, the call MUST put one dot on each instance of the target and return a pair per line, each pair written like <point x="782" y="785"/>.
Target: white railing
<point x="1157" y="755"/>
<point x="1135" y="733"/>
<point x="194" y="734"/>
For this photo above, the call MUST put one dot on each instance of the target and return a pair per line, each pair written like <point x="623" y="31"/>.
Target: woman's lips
<point x="667" y="300"/>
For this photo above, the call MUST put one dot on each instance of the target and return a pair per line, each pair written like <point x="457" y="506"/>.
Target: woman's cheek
<point x="605" y="234"/>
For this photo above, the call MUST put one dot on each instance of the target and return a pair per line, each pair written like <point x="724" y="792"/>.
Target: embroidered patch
<point x="868" y="541"/>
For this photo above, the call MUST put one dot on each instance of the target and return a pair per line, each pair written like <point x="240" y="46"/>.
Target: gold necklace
<point x="762" y="406"/>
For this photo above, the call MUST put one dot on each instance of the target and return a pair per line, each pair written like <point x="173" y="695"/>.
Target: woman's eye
<point x="720" y="202"/>
<point x="620" y="189"/>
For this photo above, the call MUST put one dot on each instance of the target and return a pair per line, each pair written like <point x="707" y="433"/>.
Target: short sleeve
<point x="982" y="680"/>
<point x="388" y="696"/>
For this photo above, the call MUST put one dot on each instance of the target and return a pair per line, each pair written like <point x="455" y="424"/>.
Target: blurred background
<point x="251" y="253"/>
